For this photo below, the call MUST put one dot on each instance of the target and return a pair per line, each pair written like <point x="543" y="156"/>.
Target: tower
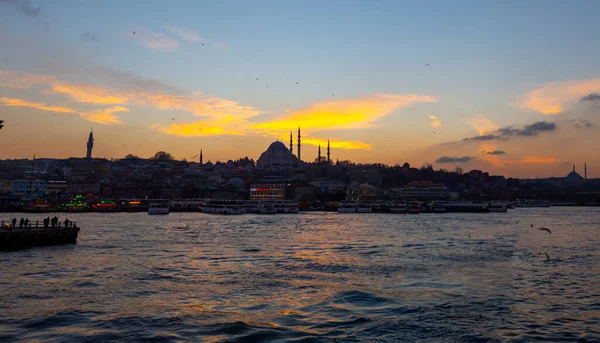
<point x="299" y="141"/>
<point x="573" y="167"/>
<point x="291" y="144"/>
<point x="90" y="145"/>
<point x="328" y="153"/>
<point x="585" y="171"/>
<point x="319" y="156"/>
<point x="201" y="157"/>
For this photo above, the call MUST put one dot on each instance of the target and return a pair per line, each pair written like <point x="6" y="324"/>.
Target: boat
<point x="224" y="207"/>
<point x="467" y="206"/>
<point x="498" y="206"/>
<point x="533" y="203"/>
<point x="438" y="207"/>
<point x="414" y="208"/>
<point x="364" y="208"/>
<point x="347" y="207"/>
<point x="399" y="208"/>
<point x="159" y="207"/>
<point x="287" y="206"/>
<point x="268" y="209"/>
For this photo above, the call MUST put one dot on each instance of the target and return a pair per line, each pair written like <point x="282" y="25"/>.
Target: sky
<point x="509" y="87"/>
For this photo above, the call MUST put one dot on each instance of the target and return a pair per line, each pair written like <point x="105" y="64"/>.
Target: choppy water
<point x="310" y="277"/>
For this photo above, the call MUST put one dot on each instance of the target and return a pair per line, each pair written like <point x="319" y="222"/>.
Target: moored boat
<point x="467" y="206"/>
<point x="399" y="208"/>
<point x="159" y="206"/>
<point x="224" y="207"/>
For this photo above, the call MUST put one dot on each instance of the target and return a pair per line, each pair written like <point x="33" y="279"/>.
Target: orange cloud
<point x="482" y="125"/>
<point x="209" y="127"/>
<point x="105" y="116"/>
<point x="20" y="80"/>
<point x="337" y="144"/>
<point x="492" y="159"/>
<point x="532" y="159"/>
<point x="551" y="98"/>
<point x="89" y="94"/>
<point x="343" y="114"/>
<point x="434" y="121"/>
<point x="12" y="102"/>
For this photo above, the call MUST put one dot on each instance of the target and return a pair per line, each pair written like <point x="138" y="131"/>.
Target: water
<point x="309" y="278"/>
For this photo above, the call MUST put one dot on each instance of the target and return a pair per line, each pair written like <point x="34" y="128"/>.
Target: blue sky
<point x="484" y="58"/>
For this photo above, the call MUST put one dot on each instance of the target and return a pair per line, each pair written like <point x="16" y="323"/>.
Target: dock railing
<point x="8" y="225"/>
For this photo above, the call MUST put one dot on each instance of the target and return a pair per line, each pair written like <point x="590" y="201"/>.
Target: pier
<point x="14" y="237"/>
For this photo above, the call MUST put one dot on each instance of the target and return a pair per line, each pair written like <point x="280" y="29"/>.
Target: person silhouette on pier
<point x="14" y="222"/>
<point x="21" y="222"/>
<point x="26" y="222"/>
<point x="67" y="222"/>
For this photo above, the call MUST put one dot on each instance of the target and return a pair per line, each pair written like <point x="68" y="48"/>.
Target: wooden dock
<point x="36" y="234"/>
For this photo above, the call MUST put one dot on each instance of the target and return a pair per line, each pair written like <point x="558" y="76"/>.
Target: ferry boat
<point x="364" y="208"/>
<point x="347" y="207"/>
<point x="438" y="207"/>
<point x="399" y="208"/>
<point x="268" y="209"/>
<point x="287" y="206"/>
<point x="159" y="207"/>
<point x="224" y="207"/>
<point x="498" y="206"/>
<point x="414" y="208"/>
<point x="533" y="203"/>
<point x="467" y="206"/>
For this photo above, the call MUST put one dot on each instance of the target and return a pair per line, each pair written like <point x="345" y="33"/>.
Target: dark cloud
<point x="591" y="97"/>
<point x="448" y="159"/>
<point x="495" y="152"/>
<point x="527" y="130"/>
<point x="25" y="6"/>
<point x="583" y="124"/>
<point x="88" y="37"/>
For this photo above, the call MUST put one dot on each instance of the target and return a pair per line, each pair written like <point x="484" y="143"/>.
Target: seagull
<point x="333" y="94"/>
<point x="134" y="32"/>
<point x="257" y="78"/>
<point x="427" y="64"/>
<point x="545" y="229"/>
<point x="548" y="257"/>
<point x="267" y="86"/>
<point x="531" y="225"/>
<point x="202" y="44"/>
<point x="172" y="118"/>
<point x="297" y="82"/>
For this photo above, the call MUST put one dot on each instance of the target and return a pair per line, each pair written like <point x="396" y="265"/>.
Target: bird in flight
<point x="134" y="32"/>
<point x="172" y="118"/>
<point x="297" y="82"/>
<point x="427" y="64"/>
<point x="333" y="94"/>
<point x="202" y="44"/>
<point x="545" y="229"/>
<point x="257" y="78"/>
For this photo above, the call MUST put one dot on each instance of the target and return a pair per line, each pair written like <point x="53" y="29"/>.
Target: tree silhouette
<point x="163" y="156"/>
<point x="131" y="157"/>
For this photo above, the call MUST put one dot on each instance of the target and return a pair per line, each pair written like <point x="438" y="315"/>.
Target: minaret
<point x="319" y="157"/>
<point x="328" y="153"/>
<point x="573" y="167"/>
<point x="90" y="145"/>
<point x="585" y="171"/>
<point x="201" y="164"/>
<point x="291" y="144"/>
<point x="299" y="141"/>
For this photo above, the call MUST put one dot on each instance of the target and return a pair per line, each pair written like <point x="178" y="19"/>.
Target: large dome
<point x="276" y="156"/>
<point x="236" y="182"/>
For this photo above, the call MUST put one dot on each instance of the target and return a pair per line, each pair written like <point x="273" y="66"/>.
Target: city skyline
<point x="457" y="84"/>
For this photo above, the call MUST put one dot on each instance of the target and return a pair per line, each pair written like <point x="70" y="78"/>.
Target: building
<point x="277" y="156"/>
<point x="362" y="192"/>
<point x="5" y="186"/>
<point x="573" y="177"/>
<point x="56" y="188"/>
<point x="29" y="186"/>
<point x="268" y="191"/>
<point x="423" y="190"/>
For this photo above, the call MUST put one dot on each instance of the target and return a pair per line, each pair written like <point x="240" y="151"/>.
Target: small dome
<point x="236" y="182"/>
<point x="208" y="164"/>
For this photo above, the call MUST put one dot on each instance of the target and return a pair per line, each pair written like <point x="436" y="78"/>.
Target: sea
<point x="310" y="277"/>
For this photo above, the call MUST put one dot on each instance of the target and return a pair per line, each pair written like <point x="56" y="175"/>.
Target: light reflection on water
<point x="317" y="276"/>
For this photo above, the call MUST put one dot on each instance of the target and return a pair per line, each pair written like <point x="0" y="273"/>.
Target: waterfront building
<point x="361" y="192"/>
<point x="29" y="186"/>
<point x="268" y="191"/>
<point x="58" y="187"/>
<point x="423" y="190"/>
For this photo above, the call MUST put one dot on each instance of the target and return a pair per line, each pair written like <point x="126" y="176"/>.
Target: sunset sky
<point x="510" y="87"/>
